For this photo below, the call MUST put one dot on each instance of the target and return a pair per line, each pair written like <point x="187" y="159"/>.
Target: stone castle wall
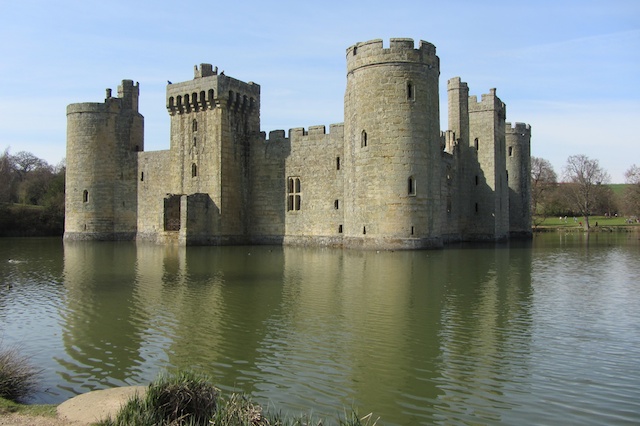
<point x="385" y="178"/>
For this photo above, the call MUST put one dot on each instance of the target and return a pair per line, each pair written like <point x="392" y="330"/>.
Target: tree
<point x="584" y="176"/>
<point x="632" y="191"/>
<point x="7" y="177"/>
<point x="543" y="181"/>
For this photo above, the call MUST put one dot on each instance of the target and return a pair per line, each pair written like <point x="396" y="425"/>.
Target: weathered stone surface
<point x="386" y="178"/>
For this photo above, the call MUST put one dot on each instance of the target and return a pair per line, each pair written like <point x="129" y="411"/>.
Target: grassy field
<point x="556" y="222"/>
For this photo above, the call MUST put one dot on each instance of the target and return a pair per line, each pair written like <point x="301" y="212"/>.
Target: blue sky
<point x="569" y="68"/>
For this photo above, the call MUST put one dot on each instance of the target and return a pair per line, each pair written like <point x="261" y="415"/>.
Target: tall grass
<point x="19" y="378"/>
<point x="189" y="399"/>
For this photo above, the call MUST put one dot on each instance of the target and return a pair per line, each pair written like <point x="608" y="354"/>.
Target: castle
<point x="386" y="178"/>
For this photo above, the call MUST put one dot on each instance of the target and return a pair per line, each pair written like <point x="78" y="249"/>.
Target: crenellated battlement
<point x="400" y="50"/>
<point x="209" y="90"/>
<point x="489" y="102"/>
<point x="519" y="128"/>
<point x="457" y="83"/>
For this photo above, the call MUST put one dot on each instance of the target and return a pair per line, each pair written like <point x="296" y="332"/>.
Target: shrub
<point x="18" y="377"/>
<point x="183" y="398"/>
<point x="188" y="399"/>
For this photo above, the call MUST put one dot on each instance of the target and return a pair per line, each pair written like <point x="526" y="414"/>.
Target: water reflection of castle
<point x="266" y="320"/>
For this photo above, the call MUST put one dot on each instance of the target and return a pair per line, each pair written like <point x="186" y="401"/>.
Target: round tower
<point x="518" y="146"/>
<point x="392" y="145"/>
<point x="101" y="173"/>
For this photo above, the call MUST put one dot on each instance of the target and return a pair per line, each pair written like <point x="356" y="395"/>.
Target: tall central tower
<point x="392" y="145"/>
<point x="213" y="118"/>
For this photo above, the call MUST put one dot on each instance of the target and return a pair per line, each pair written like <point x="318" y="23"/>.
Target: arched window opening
<point x="475" y="143"/>
<point x="410" y="91"/>
<point x="336" y="204"/>
<point x="510" y="151"/>
<point x="194" y="170"/>
<point x="363" y="139"/>
<point x="339" y="229"/>
<point x="141" y="176"/>
<point x="194" y="125"/>
<point x="477" y="180"/>
<point x="337" y="163"/>
<point x="85" y="196"/>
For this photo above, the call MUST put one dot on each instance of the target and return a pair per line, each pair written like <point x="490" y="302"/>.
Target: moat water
<point x="540" y="332"/>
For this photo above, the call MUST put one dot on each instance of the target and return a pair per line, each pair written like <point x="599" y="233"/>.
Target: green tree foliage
<point x="584" y="178"/>
<point x="27" y="181"/>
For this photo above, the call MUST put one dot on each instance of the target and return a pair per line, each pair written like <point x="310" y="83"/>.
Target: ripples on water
<point x="541" y="333"/>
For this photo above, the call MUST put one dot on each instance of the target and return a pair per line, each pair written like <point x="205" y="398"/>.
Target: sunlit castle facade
<point x="385" y="178"/>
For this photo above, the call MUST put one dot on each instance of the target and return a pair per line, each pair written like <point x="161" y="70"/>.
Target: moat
<point x="544" y="331"/>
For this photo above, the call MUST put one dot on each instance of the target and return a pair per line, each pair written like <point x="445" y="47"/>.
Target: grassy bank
<point x="596" y="223"/>
<point x="10" y="407"/>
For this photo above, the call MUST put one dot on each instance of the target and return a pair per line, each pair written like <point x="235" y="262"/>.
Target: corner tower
<point x="392" y="145"/>
<point x="102" y="144"/>
<point x="518" y="143"/>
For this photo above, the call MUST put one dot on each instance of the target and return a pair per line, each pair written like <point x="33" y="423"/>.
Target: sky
<point x="569" y="68"/>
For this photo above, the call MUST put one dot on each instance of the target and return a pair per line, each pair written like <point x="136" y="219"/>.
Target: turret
<point x="392" y="145"/>
<point x="518" y="146"/>
<point x="489" y="209"/>
<point x="101" y="190"/>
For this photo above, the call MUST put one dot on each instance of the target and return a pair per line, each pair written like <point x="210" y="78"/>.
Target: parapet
<point x="489" y="102"/>
<point x="522" y="129"/>
<point x="205" y="70"/>
<point x="128" y="94"/>
<point x="400" y="50"/>
<point x="209" y="90"/>
<point x="457" y="83"/>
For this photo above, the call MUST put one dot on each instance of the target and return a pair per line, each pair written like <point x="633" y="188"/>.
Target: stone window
<point x="339" y="229"/>
<point x="85" y="196"/>
<point x="476" y="143"/>
<point x="194" y="125"/>
<point x="293" y="194"/>
<point x="411" y="187"/>
<point x="337" y="163"/>
<point x="411" y="93"/>
<point x="194" y="170"/>
<point x="141" y="176"/>
<point x="363" y="139"/>
<point x="477" y="180"/>
<point x="507" y="174"/>
<point x="336" y="204"/>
